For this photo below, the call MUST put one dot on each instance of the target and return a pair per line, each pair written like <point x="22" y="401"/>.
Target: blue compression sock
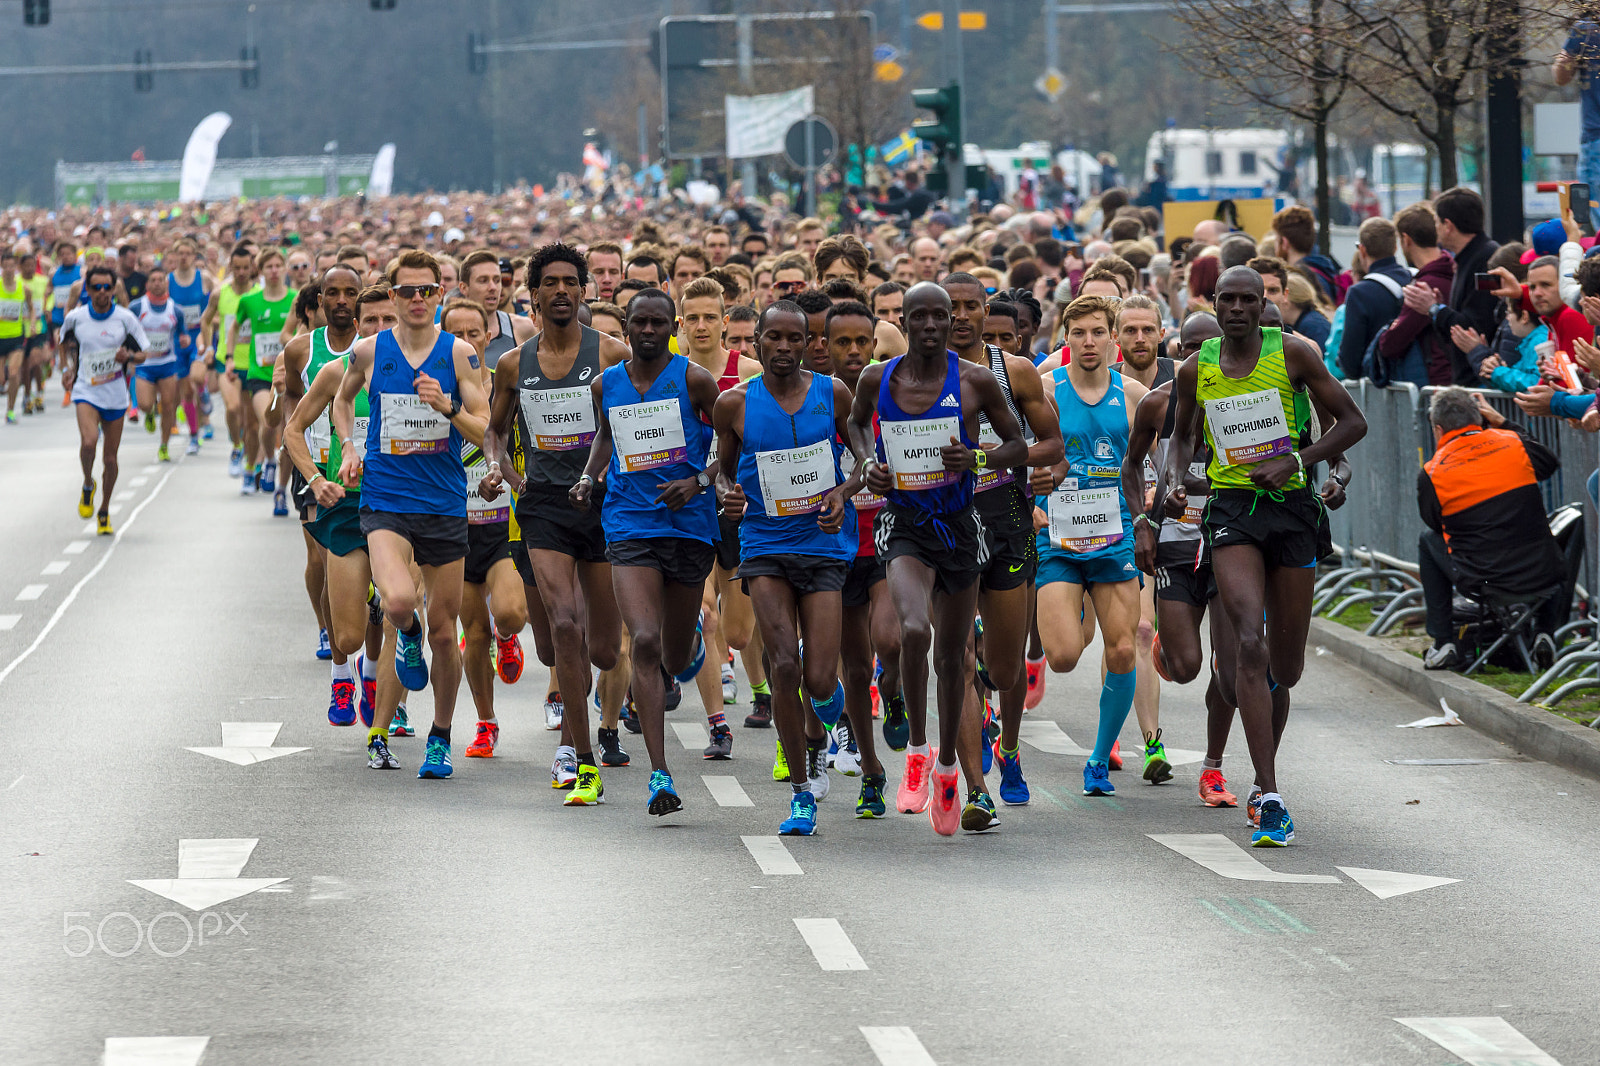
<point x="1116" y="700"/>
<point x="830" y="709"/>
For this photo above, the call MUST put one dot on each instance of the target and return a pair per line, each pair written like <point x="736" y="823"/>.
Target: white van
<point x="1238" y="164"/>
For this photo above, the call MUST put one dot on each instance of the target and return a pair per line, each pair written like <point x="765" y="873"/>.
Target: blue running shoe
<point x="802" y="820"/>
<point x="871" y="805"/>
<point x="436" y="761"/>
<point x="1276" y="829"/>
<point x="1097" y="780"/>
<point x="829" y="711"/>
<point x="1013" y="789"/>
<point x="988" y="753"/>
<point x="207" y="433"/>
<point x="698" y="659"/>
<point x="409" y="665"/>
<point x="663" y="797"/>
<point x="369" y="694"/>
<point x="341" y="708"/>
<point x="280" y="504"/>
<point x="324" y="649"/>
<point x="896" y="724"/>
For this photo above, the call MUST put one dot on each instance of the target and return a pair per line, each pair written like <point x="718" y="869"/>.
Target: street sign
<point x="888" y="70"/>
<point x="1051" y="84"/>
<point x="967" y="20"/>
<point x="885" y="53"/>
<point x="824" y="143"/>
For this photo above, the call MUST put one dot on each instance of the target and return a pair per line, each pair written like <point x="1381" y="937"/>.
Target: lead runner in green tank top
<point x="1246" y="395"/>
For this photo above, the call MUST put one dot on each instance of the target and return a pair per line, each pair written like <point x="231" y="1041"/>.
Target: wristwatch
<point x="980" y="458"/>
<point x="455" y="406"/>
<point x="703" y="479"/>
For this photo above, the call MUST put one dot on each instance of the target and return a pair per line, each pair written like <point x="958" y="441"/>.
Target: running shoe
<point x="870" y="805"/>
<point x="1096" y="780"/>
<point x="564" y="768"/>
<point x="409" y="665"/>
<point x="673" y="694"/>
<point x="1157" y="770"/>
<point x="269" y="476"/>
<point x="1036" y="680"/>
<point x="378" y="755"/>
<point x="247" y="483"/>
<point x="629" y="717"/>
<point x="324" y="649"/>
<point x="780" y="765"/>
<point x="991" y="733"/>
<point x="698" y="658"/>
<point x="1214" y="790"/>
<point x="611" y="753"/>
<point x="730" y="684"/>
<point x="802" y="820"/>
<point x="280" y="503"/>
<point x="341" y="708"/>
<point x="236" y="462"/>
<point x="194" y="446"/>
<point x="369" y="694"/>
<point x="896" y="725"/>
<point x="205" y="403"/>
<point x="401" y="725"/>
<point x="554" y="711"/>
<point x="1276" y="829"/>
<point x="760" y="716"/>
<point x="11" y="418"/>
<point x="436" y="759"/>
<point x="979" y="813"/>
<point x="102" y="526"/>
<point x="1115" y="760"/>
<point x="483" y="743"/>
<point x="508" y="658"/>
<point x="817" y="771"/>
<point x="847" y="759"/>
<point x="162" y="455"/>
<point x="1013" y="789"/>
<point x="150" y="421"/>
<point x="86" y="500"/>
<point x="721" y="746"/>
<point x="872" y="691"/>
<point x="1252" y="808"/>
<point x="1155" y="657"/>
<point x="913" y="795"/>
<point x="663" y="797"/>
<point x="944" y="809"/>
<point x="588" y="791"/>
<point x="207" y="433"/>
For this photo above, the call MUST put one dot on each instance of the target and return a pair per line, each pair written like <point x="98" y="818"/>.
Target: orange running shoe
<point x="1115" y="761"/>
<point x="1213" y="790"/>
<point x="508" y="658"/>
<point x="1155" y="655"/>
<point x="1036" y="679"/>
<point x="482" y="746"/>
<point x="913" y="796"/>
<point x="945" y="809"/>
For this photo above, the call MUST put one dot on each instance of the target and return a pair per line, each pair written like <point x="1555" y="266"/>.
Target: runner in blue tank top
<point x="927" y="404"/>
<point x="651" y="438"/>
<point x="426" y="394"/>
<point x="797" y="534"/>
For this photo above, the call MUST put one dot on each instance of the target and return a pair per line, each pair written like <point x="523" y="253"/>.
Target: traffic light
<point x="942" y="135"/>
<point x="36" y="12"/>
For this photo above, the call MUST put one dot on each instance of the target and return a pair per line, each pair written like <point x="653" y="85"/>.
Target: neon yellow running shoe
<point x="780" y="765"/>
<point x="588" y="791"/>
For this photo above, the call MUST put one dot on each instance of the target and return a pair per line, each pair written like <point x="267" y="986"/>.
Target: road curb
<point x="1539" y="733"/>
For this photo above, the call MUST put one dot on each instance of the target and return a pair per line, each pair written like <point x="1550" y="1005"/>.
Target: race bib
<point x="102" y="367"/>
<point x="160" y="343"/>
<point x="481" y="512"/>
<point x="913" y="449"/>
<point x="62" y="295"/>
<point x="648" y="435"/>
<point x="318" y="436"/>
<point x="560" y="420"/>
<point x="795" y="480"/>
<point x="267" y="348"/>
<point x="1193" y="511"/>
<point x="1248" y="428"/>
<point x="1084" y="520"/>
<point x="866" y="500"/>
<point x="10" y="310"/>
<point x="411" y="427"/>
<point x="988" y="479"/>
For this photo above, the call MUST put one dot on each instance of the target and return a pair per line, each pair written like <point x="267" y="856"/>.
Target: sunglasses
<point x="789" y="286"/>
<point x="411" y="292"/>
<point x="101" y="288"/>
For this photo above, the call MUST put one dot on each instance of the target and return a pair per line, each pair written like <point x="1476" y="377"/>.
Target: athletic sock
<point x="919" y="749"/>
<point x="1116" y="700"/>
<point x="442" y="734"/>
<point x="942" y="767"/>
<point x="369" y="668"/>
<point x="716" y="720"/>
<point x="415" y="628"/>
<point x="1031" y="659"/>
<point x="1211" y="764"/>
<point x="376" y="731"/>
<point x="586" y="758"/>
<point x="761" y="689"/>
<point x="341" y="671"/>
<point x="1271" y="796"/>
<point x="800" y="788"/>
<point x="1008" y="752"/>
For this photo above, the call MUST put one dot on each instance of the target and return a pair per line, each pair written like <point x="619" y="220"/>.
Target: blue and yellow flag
<point x="900" y="148"/>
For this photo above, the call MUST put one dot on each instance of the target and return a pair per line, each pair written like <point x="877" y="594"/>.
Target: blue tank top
<point x="946" y="493"/>
<point x="61" y="289"/>
<point x="655" y="437"/>
<point x="1096" y="439"/>
<point x="413" y="460"/>
<point x="191" y="300"/>
<point x="779" y="452"/>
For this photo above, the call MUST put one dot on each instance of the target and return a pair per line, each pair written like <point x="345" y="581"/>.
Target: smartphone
<point x="1578" y="202"/>
<point x="1144" y="277"/>
<point x="1486" y="282"/>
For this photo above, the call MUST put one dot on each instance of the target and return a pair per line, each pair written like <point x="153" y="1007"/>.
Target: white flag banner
<point x="200" y="156"/>
<point x="756" y="124"/>
<point x="382" y="180"/>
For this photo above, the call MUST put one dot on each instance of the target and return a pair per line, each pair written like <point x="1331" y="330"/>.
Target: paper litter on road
<point x="1449" y="717"/>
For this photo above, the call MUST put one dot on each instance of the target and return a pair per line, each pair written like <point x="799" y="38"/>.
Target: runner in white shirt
<point x="157" y="377"/>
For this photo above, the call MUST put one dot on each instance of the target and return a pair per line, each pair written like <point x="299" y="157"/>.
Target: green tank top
<point x="1251" y="419"/>
<point x="358" y="434"/>
<point x="228" y="309"/>
<point x="319" y="435"/>
<point x="11" y="301"/>
<point x="39" y="285"/>
<point x="266" y="319"/>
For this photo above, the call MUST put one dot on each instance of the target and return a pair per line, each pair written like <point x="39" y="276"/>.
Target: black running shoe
<point x="761" y="716"/>
<point x="611" y="753"/>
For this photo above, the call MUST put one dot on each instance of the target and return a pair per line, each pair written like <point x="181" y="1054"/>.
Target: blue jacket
<point x="1519" y="363"/>
<point x="1368" y="308"/>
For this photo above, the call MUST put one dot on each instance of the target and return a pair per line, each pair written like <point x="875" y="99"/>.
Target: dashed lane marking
<point x="1481" y="1041"/>
<point x="155" y="1050"/>
<point x="9" y="621"/>
<point x="726" y="791"/>
<point x="827" y="940"/>
<point x="51" y="569"/>
<point x="691" y="735"/>
<point x="770" y="854"/>
<point x="77" y="547"/>
<point x="31" y="592"/>
<point x="896" y="1045"/>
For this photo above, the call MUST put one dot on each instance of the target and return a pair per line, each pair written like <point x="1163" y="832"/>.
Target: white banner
<point x="382" y="179"/>
<point x="200" y="155"/>
<point x="756" y="124"/>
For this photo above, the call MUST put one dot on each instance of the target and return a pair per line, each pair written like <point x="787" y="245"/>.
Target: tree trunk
<point x="1445" y="119"/>
<point x="1324" y="201"/>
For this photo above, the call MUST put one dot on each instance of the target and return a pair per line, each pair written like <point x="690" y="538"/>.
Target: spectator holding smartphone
<point x="1460" y="215"/>
<point x="1580" y="58"/>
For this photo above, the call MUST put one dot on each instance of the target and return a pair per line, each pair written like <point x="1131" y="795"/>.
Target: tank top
<point x="503" y="343"/>
<point x="39" y="285"/>
<point x="266" y="318"/>
<point x="656" y="437"/>
<point x="358" y="434"/>
<point x="910" y="445"/>
<point x="1251" y="419"/>
<point x="161" y="326"/>
<point x="730" y="373"/>
<point x="191" y="300"/>
<point x="228" y="310"/>
<point x="61" y="290"/>
<point x="992" y="479"/>
<point x="413" y="463"/>
<point x="1088" y="516"/>
<point x="11" y="302"/>
<point x="787" y="464"/>
<point x="866" y="503"/>
<point x="319" y="435"/>
<point x="556" y="415"/>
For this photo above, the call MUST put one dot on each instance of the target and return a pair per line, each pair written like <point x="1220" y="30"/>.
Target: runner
<point x="260" y="316"/>
<point x="605" y="269"/>
<point x="16" y="323"/>
<point x="220" y="316"/>
<point x="99" y="340"/>
<point x="480" y="281"/>
<point x="928" y="533"/>
<point x="428" y="398"/>
<point x="652" y="439"/>
<point x="777" y="431"/>
<point x="1261" y="519"/>
<point x="36" y="352"/>
<point x="157" y="377"/>
<point x="191" y="289"/>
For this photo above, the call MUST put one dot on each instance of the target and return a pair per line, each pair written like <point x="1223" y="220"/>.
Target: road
<point x="476" y="920"/>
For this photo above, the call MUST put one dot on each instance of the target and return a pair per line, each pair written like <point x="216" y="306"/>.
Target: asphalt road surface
<point x="162" y="904"/>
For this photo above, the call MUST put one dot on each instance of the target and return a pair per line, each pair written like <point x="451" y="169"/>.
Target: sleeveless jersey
<point x="991" y="479"/>
<point x="413" y="463"/>
<point x="556" y="416"/>
<point x="787" y="464"/>
<point x="1251" y="419"/>
<point x="266" y="318"/>
<point x="319" y="435"/>
<point x="358" y="435"/>
<point x="910" y="444"/>
<point x="191" y="300"/>
<point x="730" y="373"/>
<point x="656" y="437"/>
<point x="11" y="303"/>
<point x="1088" y="516"/>
<point x="162" y="325"/>
<point x="61" y="290"/>
<point x="39" y="285"/>
<point x="503" y="343"/>
<point x="228" y="311"/>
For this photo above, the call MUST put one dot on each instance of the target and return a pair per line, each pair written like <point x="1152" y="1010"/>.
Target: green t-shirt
<point x="266" y="319"/>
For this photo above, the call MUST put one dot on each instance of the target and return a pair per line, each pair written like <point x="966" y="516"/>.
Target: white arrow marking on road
<point x="1481" y="1041"/>
<point x="827" y="940"/>
<point x="208" y="874"/>
<point x="770" y="854"/>
<point x="1386" y="883"/>
<point x="9" y="621"/>
<point x="1222" y="856"/>
<point x="726" y="791"/>
<point x="77" y="547"/>
<point x="155" y="1050"/>
<point x="31" y="592"/>
<point x="896" y="1045"/>
<point x="244" y="743"/>
<point x="690" y="735"/>
<point x="1047" y="736"/>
